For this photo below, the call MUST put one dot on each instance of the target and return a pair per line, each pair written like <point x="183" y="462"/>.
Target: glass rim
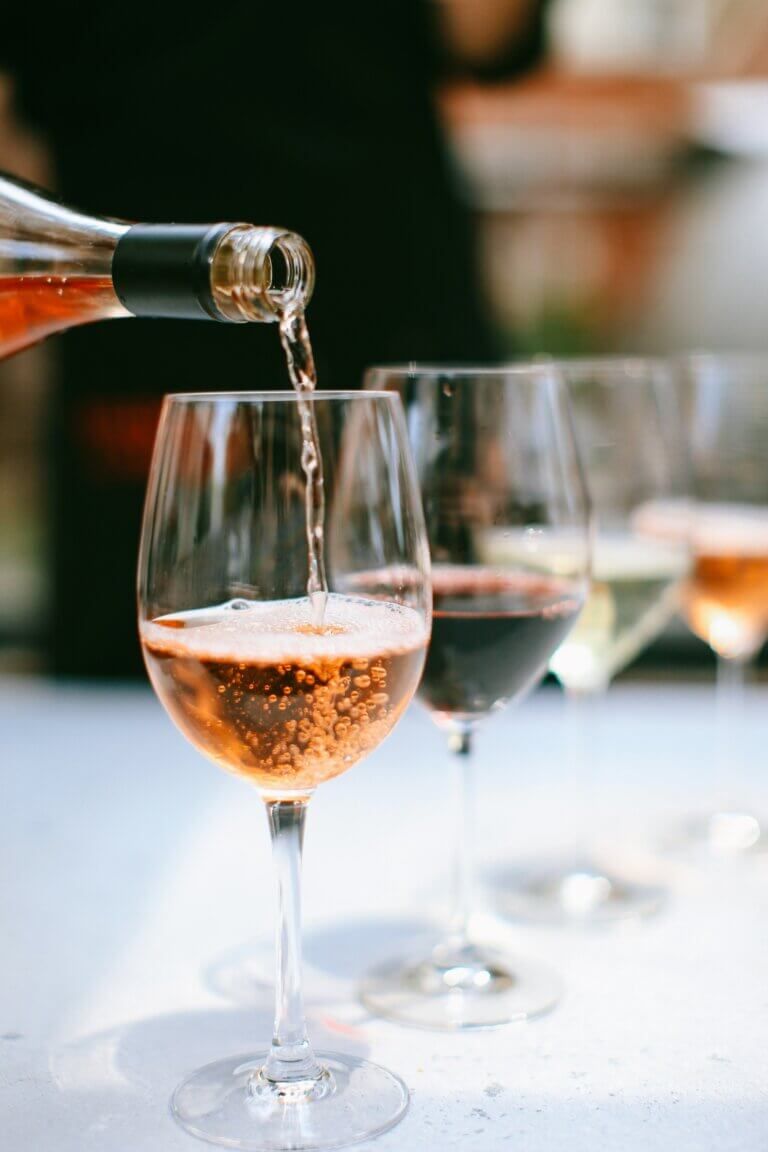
<point x="282" y="395"/>
<point x="747" y="357"/>
<point x="520" y="368"/>
<point x="559" y="364"/>
<point x="597" y="363"/>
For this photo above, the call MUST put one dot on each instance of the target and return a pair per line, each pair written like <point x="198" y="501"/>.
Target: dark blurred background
<point x="477" y="178"/>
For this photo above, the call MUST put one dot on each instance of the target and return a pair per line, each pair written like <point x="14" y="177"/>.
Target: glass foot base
<point x="452" y="989"/>
<point x="231" y="1103"/>
<point x="581" y="894"/>
<point x="719" y="834"/>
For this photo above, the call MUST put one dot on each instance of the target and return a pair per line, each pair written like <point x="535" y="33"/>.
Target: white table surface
<point x="135" y="907"/>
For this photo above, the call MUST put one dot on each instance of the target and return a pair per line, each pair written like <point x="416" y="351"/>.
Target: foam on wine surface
<point x="267" y="693"/>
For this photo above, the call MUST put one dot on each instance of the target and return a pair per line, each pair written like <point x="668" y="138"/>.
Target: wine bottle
<point x="59" y="269"/>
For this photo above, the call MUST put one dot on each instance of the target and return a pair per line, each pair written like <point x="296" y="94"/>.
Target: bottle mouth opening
<point x="261" y="274"/>
<point x="290" y="273"/>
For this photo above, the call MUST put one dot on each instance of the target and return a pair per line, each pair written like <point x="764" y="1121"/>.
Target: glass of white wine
<point x="629" y="433"/>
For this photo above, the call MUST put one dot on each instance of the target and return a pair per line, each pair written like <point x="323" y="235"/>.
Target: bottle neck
<point x="227" y="272"/>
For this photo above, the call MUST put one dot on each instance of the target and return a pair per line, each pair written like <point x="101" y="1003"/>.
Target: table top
<point x="136" y="905"/>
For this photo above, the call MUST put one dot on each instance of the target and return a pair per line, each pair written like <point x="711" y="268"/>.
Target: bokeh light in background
<point x="618" y="192"/>
<point x="620" y="188"/>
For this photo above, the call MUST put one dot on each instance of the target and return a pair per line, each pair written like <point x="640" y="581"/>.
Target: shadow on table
<point x="348" y="949"/>
<point x="343" y="951"/>
<point x="119" y="1082"/>
<point x="114" y="1088"/>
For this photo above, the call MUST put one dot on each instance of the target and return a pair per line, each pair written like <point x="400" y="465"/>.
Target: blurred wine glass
<point x="629" y="433"/>
<point x="725" y="406"/>
<point x="280" y="695"/>
<point x="508" y="524"/>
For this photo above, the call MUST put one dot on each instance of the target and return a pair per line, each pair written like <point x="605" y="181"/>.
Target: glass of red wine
<point x="509" y="530"/>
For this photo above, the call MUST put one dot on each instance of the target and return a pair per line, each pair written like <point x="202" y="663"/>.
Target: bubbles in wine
<point x="269" y="694"/>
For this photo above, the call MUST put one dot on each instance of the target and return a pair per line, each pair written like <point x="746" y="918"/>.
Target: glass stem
<point x="731" y="682"/>
<point x="730" y="699"/>
<point x="460" y="744"/>
<point x="582" y="737"/>
<point x="291" y="1057"/>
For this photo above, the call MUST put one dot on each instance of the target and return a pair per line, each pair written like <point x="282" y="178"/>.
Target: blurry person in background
<point x="315" y="117"/>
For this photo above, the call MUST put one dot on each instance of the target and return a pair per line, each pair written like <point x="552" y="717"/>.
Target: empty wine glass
<point x="508" y="526"/>
<point x="281" y="690"/>
<point x="725" y="405"/>
<point x="629" y="434"/>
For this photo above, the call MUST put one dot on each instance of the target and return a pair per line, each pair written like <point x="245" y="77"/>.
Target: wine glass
<point x="284" y="691"/>
<point x="725" y="401"/>
<point x="629" y="433"/>
<point x="508" y="523"/>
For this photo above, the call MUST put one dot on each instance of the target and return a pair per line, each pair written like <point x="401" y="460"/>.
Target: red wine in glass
<point x="492" y="634"/>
